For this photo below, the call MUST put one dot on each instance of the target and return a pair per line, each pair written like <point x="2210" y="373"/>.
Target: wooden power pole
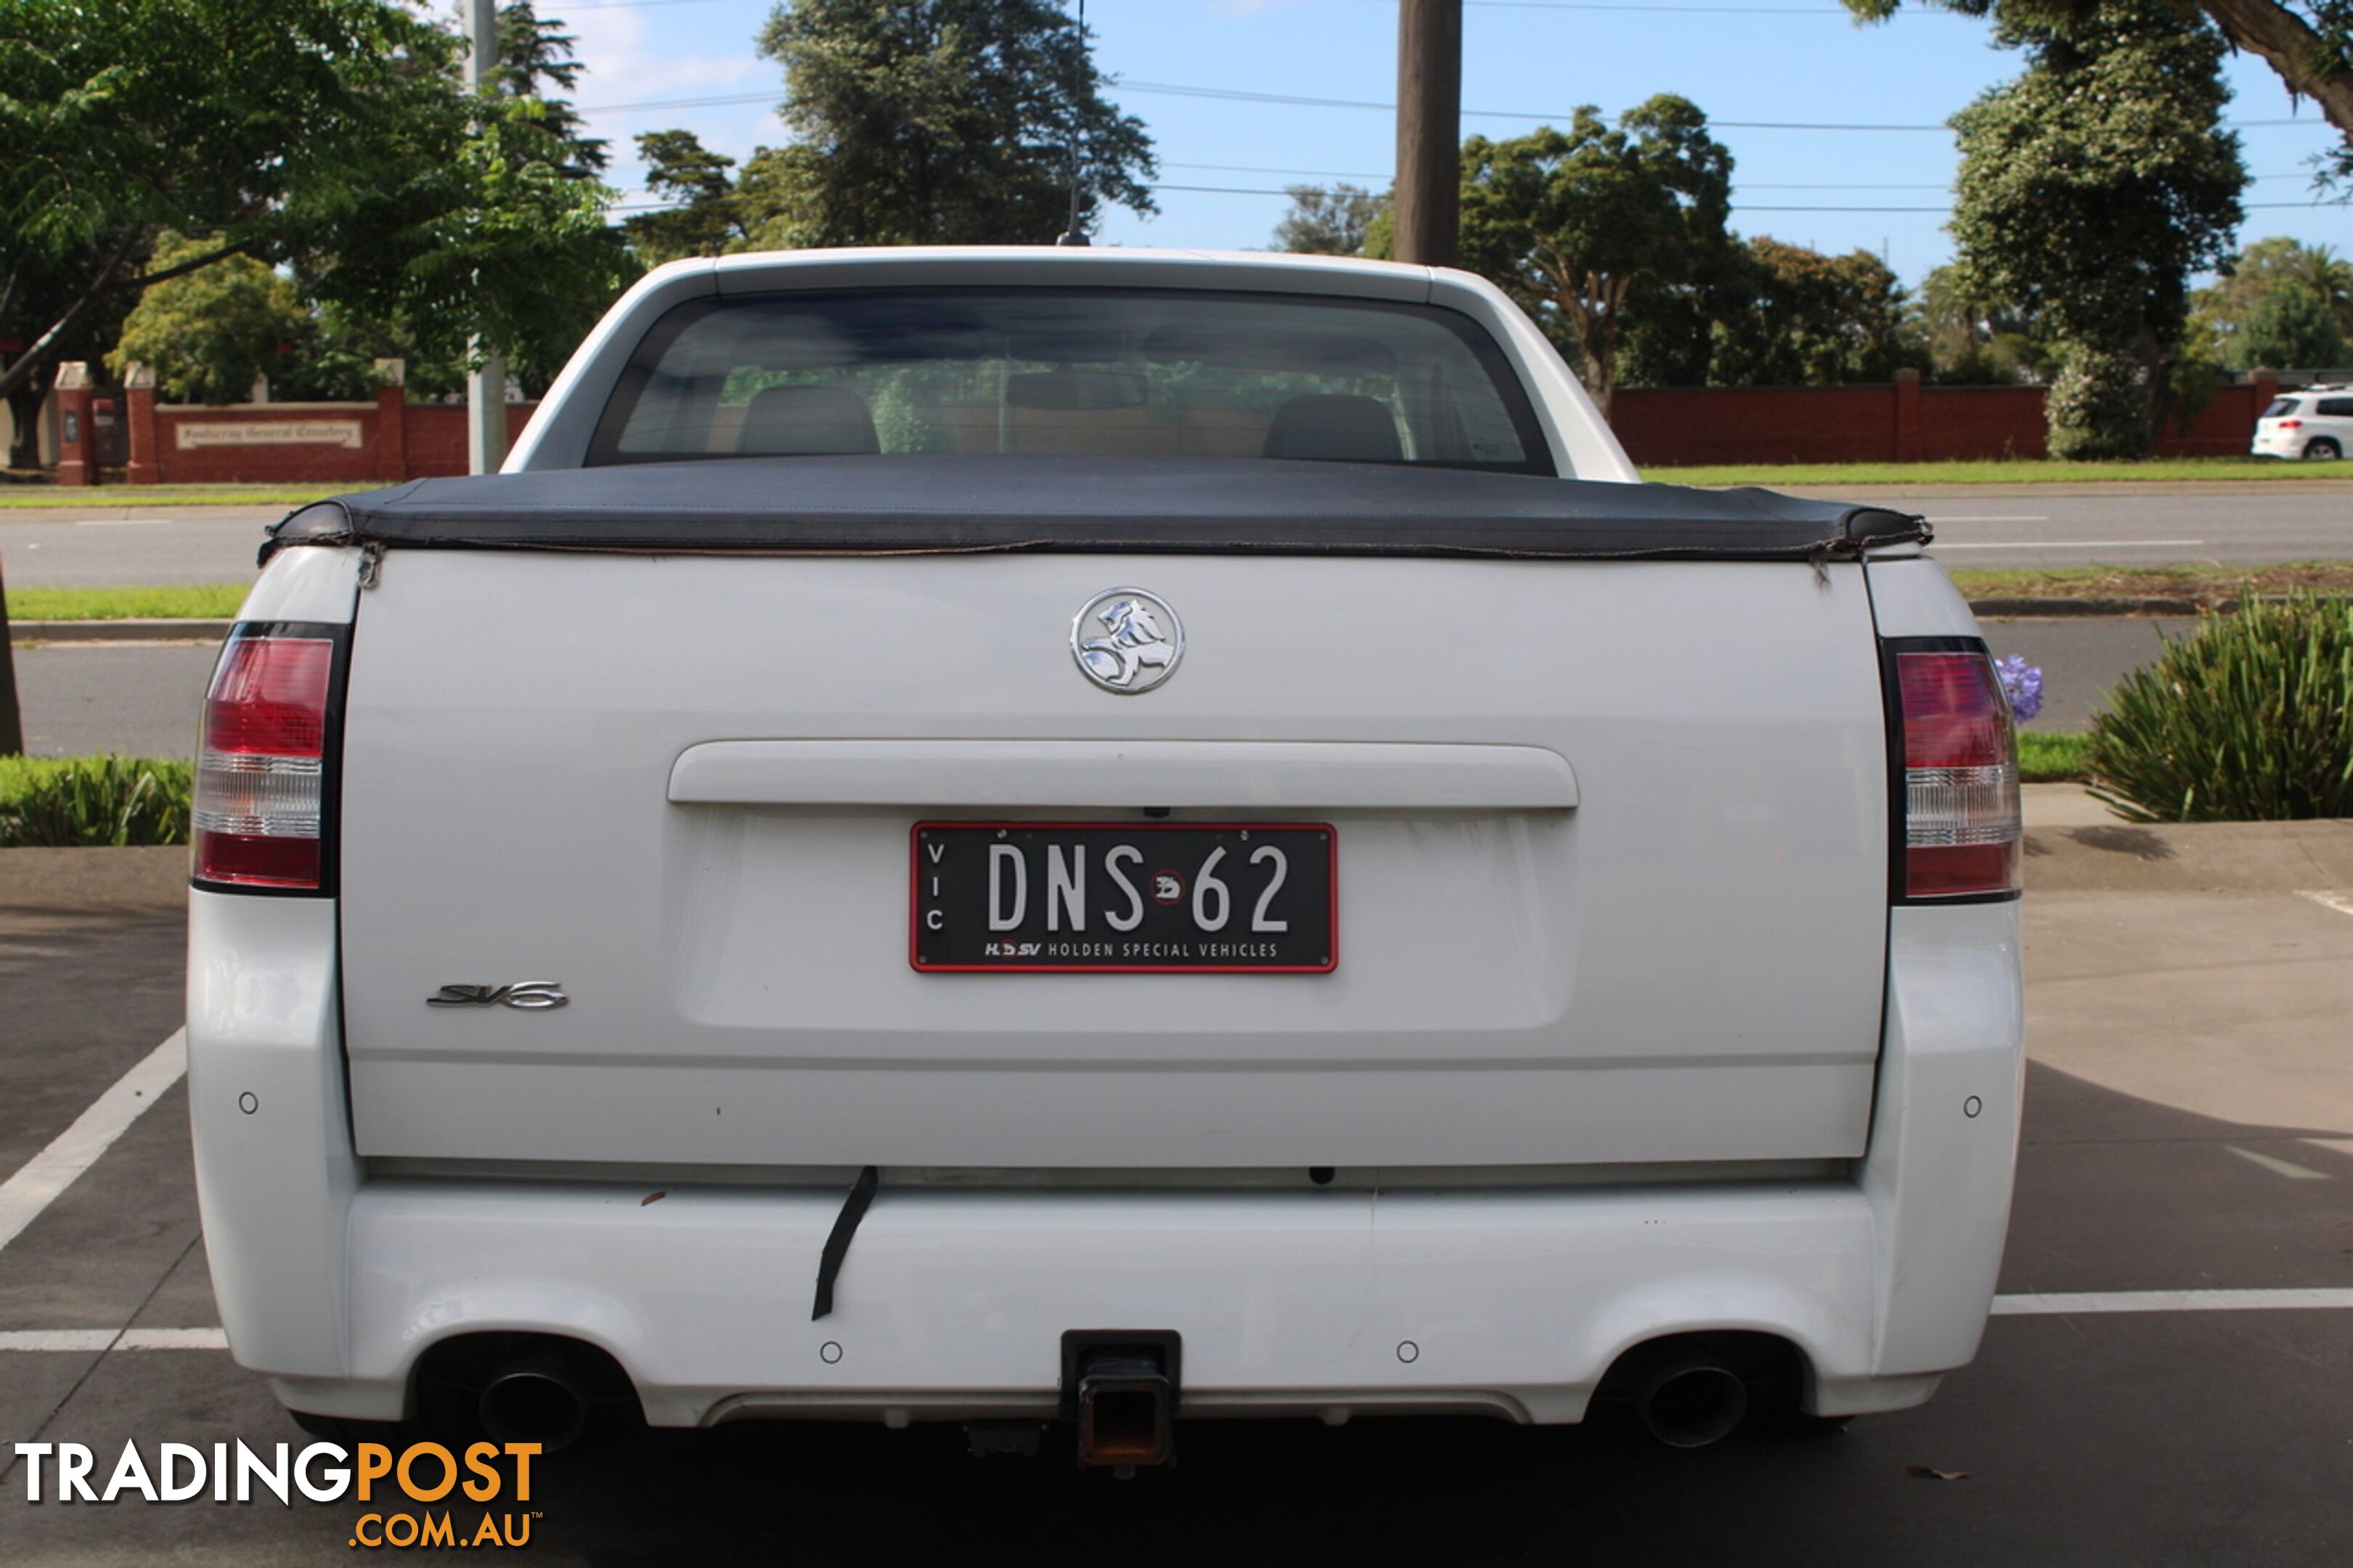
<point x="1429" y="132"/>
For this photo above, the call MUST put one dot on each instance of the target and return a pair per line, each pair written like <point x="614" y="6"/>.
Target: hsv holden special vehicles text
<point x="1027" y="836"/>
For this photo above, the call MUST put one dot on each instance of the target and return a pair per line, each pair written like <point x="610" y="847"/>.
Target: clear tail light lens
<point x="1961" y="822"/>
<point x="262" y="773"/>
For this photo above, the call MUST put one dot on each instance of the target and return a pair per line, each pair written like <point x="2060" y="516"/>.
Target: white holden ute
<point x="1062" y="840"/>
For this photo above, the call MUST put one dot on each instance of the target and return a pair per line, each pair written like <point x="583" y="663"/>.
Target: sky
<point x="1757" y="68"/>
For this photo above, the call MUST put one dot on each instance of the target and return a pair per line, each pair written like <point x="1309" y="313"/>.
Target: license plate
<point x="1063" y="898"/>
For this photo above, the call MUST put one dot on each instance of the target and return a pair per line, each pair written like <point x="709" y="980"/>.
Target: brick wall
<point x="383" y="441"/>
<point x="390" y="440"/>
<point x="1901" y="422"/>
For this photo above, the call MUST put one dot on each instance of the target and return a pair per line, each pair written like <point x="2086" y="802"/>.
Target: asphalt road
<point x="2190" y="1124"/>
<point x="1977" y="525"/>
<point x="2127" y="524"/>
<point x="80" y="699"/>
<point x="141" y="698"/>
<point x="2081" y="659"/>
<point x="131" y="547"/>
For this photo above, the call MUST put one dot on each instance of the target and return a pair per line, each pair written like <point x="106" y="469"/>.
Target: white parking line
<point x="88" y="1340"/>
<point x="2043" y="1305"/>
<point x="123" y="522"/>
<point x="2277" y="1167"/>
<point x="38" y="1181"/>
<point x="2064" y="543"/>
<point x="2337" y="902"/>
<point x="1989" y="520"/>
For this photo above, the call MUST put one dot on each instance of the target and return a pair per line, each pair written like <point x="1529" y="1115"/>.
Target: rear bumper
<point x="953" y="1304"/>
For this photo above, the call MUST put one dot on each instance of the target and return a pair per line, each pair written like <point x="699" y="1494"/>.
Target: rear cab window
<point x="1093" y="372"/>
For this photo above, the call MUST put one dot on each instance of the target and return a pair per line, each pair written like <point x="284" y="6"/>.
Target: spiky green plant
<point x="100" y="801"/>
<point x="2248" y="718"/>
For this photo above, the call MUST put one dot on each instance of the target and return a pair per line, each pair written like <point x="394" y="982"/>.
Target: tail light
<point x="1956" y="828"/>
<point x="2289" y="425"/>
<point x="263" y="798"/>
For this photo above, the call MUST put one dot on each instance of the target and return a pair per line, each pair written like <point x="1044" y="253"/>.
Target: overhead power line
<point x="1823" y="11"/>
<point x="771" y="96"/>
<point x="1237" y="95"/>
<point x="1622" y="6"/>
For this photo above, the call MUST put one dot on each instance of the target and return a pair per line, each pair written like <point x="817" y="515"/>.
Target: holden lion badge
<point x="1127" y="640"/>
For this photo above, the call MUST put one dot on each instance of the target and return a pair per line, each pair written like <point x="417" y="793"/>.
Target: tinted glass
<point x="2280" y="409"/>
<point x="2336" y="407"/>
<point x="1099" y="372"/>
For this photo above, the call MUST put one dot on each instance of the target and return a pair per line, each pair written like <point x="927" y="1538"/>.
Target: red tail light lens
<point x="1961" y="827"/>
<point x="2289" y="425"/>
<point x="262" y="773"/>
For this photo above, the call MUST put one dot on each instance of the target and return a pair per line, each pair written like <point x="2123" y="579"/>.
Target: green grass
<point x="2203" y="584"/>
<point x="2016" y="471"/>
<point x="206" y="601"/>
<point x="20" y="497"/>
<point x="94" y="801"/>
<point x="2052" y="758"/>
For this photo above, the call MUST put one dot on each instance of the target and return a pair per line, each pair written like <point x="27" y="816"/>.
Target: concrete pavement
<point x="2190" y="1124"/>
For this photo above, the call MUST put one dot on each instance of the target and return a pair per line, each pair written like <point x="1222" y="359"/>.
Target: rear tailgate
<point x="1684" y="965"/>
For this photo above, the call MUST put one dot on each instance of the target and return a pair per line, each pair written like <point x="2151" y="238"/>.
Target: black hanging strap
<point x="836" y="1246"/>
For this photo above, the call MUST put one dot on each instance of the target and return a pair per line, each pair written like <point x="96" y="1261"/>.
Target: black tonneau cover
<point x="893" y="504"/>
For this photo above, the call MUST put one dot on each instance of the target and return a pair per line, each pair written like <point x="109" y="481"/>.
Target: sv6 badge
<point x="530" y="994"/>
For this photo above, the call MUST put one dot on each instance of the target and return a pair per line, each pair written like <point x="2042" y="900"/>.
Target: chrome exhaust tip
<point x="1691" y="1402"/>
<point x="535" y="1401"/>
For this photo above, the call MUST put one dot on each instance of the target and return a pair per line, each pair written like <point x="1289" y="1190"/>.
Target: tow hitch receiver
<point x="1120" y="1385"/>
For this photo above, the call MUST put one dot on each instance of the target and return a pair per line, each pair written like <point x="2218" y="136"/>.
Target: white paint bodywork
<point x="1614" y="931"/>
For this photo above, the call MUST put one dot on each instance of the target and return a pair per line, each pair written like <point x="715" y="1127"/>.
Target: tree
<point x="42" y="289"/>
<point x="2308" y="44"/>
<point x="939" y="121"/>
<point x="2090" y="189"/>
<point x="1975" y="339"/>
<point x="2293" y="325"/>
<point x="211" y="334"/>
<point x="1793" y="317"/>
<point x="2248" y="287"/>
<point x="1577" y="224"/>
<point x="534" y="56"/>
<point x="1328" y="222"/>
<point x="705" y="217"/>
<point x="331" y="135"/>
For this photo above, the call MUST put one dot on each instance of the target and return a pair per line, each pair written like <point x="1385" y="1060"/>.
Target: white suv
<point x="2315" y="423"/>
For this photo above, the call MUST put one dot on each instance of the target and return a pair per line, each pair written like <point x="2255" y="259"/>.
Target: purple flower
<point x="2022" y="683"/>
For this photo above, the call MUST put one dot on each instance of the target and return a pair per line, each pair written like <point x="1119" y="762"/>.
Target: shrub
<point x="2250" y="718"/>
<point x="115" y="801"/>
<point x="2097" y="406"/>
